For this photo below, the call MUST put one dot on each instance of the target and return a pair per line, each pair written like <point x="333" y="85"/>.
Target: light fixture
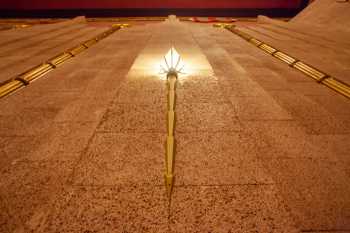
<point x="172" y="65"/>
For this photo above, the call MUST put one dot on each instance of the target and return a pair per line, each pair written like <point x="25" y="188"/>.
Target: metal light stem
<point x="170" y="142"/>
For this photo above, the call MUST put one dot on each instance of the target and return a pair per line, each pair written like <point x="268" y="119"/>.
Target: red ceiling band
<point x="110" y="4"/>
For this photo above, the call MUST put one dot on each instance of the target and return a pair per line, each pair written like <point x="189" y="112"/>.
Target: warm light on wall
<point x="172" y="62"/>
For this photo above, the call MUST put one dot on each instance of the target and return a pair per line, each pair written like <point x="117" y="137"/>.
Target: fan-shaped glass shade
<point x="172" y="62"/>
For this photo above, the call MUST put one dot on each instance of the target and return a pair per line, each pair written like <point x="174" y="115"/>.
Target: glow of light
<point x="172" y="62"/>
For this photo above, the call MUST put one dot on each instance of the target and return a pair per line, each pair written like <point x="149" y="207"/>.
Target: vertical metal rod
<point x="170" y="142"/>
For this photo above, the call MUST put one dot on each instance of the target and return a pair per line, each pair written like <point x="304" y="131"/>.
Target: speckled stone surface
<point x="156" y="95"/>
<point x="110" y="209"/>
<point x="320" y="191"/>
<point x="33" y="99"/>
<point x="337" y="231"/>
<point x="289" y="140"/>
<point x="134" y="118"/>
<point x="204" y="117"/>
<point x="258" y="108"/>
<point x="223" y="158"/>
<point x="122" y="159"/>
<point x="229" y="209"/>
<point x="200" y="94"/>
<point x="28" y="189"/>
<point x="314" y="117"/>
<point x="15" y="147"/>
<point x="24" y="53"/>
<point x="309" y="32"/>
<point x="242" y="88"/>
<point x="29" y="123"/>
<point x="65" y="141"/>
<point x="257" y="148"/>
<point x="296" y="138"/>
<point x="6" y="222"/>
